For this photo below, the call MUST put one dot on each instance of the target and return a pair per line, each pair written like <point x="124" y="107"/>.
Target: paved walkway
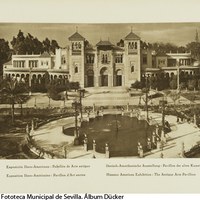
<point x="51" y="138"/>
<point x="104" y="98"/>
<point x="182" y="133"/>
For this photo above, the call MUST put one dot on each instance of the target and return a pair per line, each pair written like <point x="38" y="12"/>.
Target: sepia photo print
<point x="91" y="91"/>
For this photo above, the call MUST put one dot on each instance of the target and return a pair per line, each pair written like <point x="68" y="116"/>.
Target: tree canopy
<point x="5" y="53"/>
<point x="161" y="47"/>
<point x="31" y="45"/>
<point x="194" y="47"/>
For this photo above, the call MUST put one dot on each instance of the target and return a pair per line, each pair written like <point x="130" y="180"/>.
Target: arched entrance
<point x="104" y="76"/>
<point x="119" y="77"/>
<point x="90" y="78"/>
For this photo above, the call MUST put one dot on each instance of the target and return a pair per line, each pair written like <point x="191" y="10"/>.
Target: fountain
<point x="117" y="133"/>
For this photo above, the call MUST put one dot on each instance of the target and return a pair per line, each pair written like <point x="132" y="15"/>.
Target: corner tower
<point x="132" y="58"/>
<point x="76" y="58"/>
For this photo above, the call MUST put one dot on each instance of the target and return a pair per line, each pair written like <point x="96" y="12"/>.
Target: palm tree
<point x="13" y="90"/>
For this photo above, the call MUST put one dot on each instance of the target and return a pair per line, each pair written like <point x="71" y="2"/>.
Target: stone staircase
<point x="98" y="90"/>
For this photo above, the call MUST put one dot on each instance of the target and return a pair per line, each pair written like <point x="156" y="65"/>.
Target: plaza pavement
<point x="51" y="138"/>
<point x="99" y="98"/>
<point x="182" y="133"/>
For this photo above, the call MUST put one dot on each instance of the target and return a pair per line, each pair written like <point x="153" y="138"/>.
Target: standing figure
<point x="127" y="108"/>
<point x="32" y="125"/>
<point x="195" y="120"/>
<point x="157" y="129"/>
<point x="85" y="144"/>
<point x="122" y="113"/>
<point x="177" y="120"/>
<point x="65" y="151"/>
<point x="27" y="128"/>
<point x="94" y="145"/>
<point x="131" y="113"/>
<point x="162" y="155"/>
<point x="183" y="149"/>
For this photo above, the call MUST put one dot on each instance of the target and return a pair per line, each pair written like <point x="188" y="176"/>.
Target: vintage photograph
<point x="99" y="91"/>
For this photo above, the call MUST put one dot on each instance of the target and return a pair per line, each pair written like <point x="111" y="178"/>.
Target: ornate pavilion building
<point x="102" y="65"/>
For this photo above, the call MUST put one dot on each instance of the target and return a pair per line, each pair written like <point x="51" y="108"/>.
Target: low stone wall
<point x="30" y="142"/>
<point x="41" y="153"/>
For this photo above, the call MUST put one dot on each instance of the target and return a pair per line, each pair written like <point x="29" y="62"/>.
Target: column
<point x="86" y="81"/>
<point x="114" y="80"/>
<point x="99" y="83"/>
<point x="95" y="84"/>
<point x="123" y="80"/>
<point x="110" y="80"/>
<point x="26" y="63"/>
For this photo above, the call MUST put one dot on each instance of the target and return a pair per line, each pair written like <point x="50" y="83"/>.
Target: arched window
<point x="76" y="70"/>
<point x="103" y="59"/>
<point x="88" y="59"/>
<point x="121" y="60"/>
<point x="135" y="45"/>
<point x="92" y="59"/>
<point x="132" y="45"/>
<point x="106" y="58"/>
<point x="63" y="60"/>
<point x="132" y="68"/>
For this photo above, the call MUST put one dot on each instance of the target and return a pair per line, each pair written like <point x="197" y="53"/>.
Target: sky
<point x="176" y="33"/>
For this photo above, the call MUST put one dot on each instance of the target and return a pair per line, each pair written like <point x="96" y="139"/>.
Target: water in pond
<point x="122" y="133"/>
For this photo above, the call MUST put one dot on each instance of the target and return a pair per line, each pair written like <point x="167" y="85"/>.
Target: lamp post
<point x="146" y="100"/>
<point x="178" y="75"/>
<point x="163" y="103"/>
<point x="76" y="134"/>
<point x="81" y="94"/>
<point x="35" y="105"/>
<point x="64" y="102"/>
